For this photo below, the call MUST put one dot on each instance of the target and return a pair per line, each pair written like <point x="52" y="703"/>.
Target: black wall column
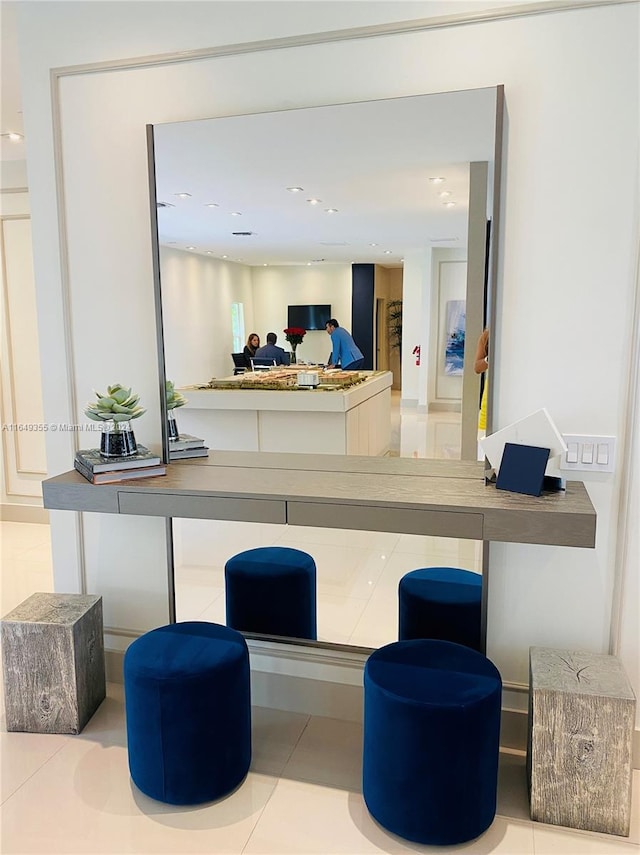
<point x="362" y="303"/>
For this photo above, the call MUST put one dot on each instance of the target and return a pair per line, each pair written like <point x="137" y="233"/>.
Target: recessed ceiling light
<point x="314" y="201"/>
<point x="449" y="204"/>
<point x="212" y="205"/>
<point x="373" y="244"/>
<point x="331" y="210"/>
<point x="295" y="189"/>
<point x="236" y="213"/>
<point x="388" y="252"/>
<point x="265" y="265"/>
<point x="209" y="252"/>
<point x="13" y="137"/>
<point x="164" y="205"/>
<point x="444" y="193"/>
<point x="308" y="264"/>
<point x="225" y="256"/>
<point x="182" y="195"/>
<point x="191" y="247"/>
<point x="437" y="180"/>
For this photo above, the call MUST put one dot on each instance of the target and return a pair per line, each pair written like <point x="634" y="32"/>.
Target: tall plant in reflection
<point x="394" y="317"/>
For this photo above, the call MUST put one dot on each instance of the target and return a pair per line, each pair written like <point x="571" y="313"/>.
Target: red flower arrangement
<point x="294" y="335"/>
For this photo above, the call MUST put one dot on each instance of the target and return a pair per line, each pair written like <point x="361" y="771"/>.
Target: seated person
<point x="271" y="351"/>
<point x="253" y="343"/>
<point x="345" y="351"/>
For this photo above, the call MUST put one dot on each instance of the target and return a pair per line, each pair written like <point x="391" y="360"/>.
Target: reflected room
<point x="377" y="214"/>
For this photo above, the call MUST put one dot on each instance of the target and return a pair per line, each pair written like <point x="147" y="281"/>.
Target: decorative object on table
<point x="522" y="469"/>
<point x="294" y="336"/>
<point x="309" y="379"/>
<point x="431" y="740"/>
<point x="536" y="429"/>
<point x="188" y="712"/>
<point x="579" y="757"/>
<point x="187" y="446"/>
<point x="53" y="663"/>
<point x="98" y="469"/>
<point x="116" y="410"/>
<point x="174" y="400"/>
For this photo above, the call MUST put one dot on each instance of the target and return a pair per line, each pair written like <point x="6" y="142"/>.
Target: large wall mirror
<point x="258" y="213"/>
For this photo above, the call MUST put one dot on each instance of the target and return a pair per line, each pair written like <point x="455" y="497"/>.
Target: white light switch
<point x="587" y="453"/>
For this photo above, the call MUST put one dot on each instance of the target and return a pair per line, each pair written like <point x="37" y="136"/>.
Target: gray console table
<point x="407" y="496"/>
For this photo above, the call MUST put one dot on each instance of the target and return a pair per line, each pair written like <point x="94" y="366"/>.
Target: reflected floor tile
<point x="338" y="617"/>
<point x="373" y="540"/>
<point x="321" y="820"/>
<point x="193" y="600"/>
<point x="213" y="542"/>
<point x="379" y="622"/>
<point x="513" y="796"/>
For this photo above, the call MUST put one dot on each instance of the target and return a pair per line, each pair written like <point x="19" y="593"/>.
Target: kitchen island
<point x="328" y="419"/>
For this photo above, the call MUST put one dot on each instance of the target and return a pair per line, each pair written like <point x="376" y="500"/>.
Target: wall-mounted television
<point x="308" y="317"/>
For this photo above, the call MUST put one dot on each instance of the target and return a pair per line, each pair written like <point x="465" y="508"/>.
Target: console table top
<point x="445" y="498"/>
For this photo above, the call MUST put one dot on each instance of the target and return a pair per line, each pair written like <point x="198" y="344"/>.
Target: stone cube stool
<point x="272" y="590"/>
<point x="581" y="720"/>
<point x="441" y="602"/>
<point x="53" y="662"/>
<point x="431" y="740"/>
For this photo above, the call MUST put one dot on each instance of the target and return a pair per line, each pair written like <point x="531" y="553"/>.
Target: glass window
<point x="237" y="326"/>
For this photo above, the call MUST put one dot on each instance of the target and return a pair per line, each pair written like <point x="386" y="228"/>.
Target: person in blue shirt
<point x="344" y="349"/>
<point x="271" y="351"/>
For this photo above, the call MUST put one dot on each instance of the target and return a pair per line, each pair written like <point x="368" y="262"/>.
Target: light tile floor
<point x="72" y="794"/>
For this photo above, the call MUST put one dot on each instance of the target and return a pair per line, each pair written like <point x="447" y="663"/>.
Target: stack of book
<point x="107" y="470"/>
<point x="187" y="446"/>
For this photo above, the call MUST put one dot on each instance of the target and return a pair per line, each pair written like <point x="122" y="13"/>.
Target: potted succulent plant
<point x="174" y="400"/>
<point x="116" y="410"/>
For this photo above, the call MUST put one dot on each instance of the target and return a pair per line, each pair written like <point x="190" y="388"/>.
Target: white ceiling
<point x="371" y="161"/>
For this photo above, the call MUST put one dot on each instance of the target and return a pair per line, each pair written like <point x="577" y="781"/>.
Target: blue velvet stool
<point x="431" y="740"/>
<point x="187" y="703"/>
<point x="272" y="590"/>
<point x="441" y="602"/>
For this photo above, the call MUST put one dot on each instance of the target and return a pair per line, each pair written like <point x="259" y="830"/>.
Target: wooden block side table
<point x="581" y="720"/>
<point x="53" y="662"/>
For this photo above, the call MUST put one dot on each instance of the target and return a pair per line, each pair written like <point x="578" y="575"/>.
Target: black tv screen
<point x="308" y="317"/>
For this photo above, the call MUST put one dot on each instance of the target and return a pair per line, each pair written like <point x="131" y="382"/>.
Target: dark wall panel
<point x="362" y="304"/>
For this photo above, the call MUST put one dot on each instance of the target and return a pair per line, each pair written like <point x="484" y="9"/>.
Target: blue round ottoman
<point x="431" y="740"/>
<point x="272" y="590"/>
<point x="187" y="704"/>
<point x="441" y="602"/>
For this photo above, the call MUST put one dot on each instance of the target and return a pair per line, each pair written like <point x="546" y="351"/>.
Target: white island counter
<point x="352" y="421"/>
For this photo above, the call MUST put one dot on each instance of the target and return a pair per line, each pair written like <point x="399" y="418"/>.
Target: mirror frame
<point x="491" y="317"/>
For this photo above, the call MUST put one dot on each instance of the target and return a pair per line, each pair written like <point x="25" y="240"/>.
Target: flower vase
<point x="172" y="429"/>
<point x="293" y="355"/>
<point x="118" y="440"/>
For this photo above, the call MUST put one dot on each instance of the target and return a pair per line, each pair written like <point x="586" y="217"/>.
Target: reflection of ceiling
<point x="371" y="161"/>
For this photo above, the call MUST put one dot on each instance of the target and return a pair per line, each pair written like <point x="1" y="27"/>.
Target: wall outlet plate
<point x="587" y="453"/>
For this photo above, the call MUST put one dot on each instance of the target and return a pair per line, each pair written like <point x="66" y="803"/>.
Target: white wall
<point x="197" y="294"/>
<point x="274" y="288"/>
<point x="566" y="266"/>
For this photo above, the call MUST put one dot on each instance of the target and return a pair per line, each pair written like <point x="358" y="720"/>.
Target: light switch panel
<point x="588" y="453"/>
